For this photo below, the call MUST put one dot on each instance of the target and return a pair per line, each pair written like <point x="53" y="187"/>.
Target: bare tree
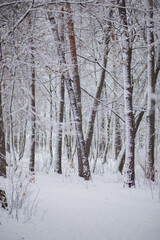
<point x="33" y="100"/>
<point x="3" y="162"/>
<point x="151" y="94"/>
<point x="129" y="117"/>
<point x="75" y="73"/>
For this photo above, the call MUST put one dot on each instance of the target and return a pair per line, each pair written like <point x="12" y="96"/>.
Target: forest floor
<point x="69" y="208"/>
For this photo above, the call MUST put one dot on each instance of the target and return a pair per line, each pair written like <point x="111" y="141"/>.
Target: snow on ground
<point x="69" y="208"/>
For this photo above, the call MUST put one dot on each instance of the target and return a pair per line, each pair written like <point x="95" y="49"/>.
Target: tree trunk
<point x="58" y="160"/>
<point x="75" y="73"/>
<point x="22" y="139"/>
<point x="33" y="107"/>
<point x="73" y="51"/>
<point x="151" y="97"/>
<point x="129" y="117"/>
<point x="12" y="144"/>
<point x="3" y="162"/>
<point x="51" y="119"/>
<point x="118" y="140"/>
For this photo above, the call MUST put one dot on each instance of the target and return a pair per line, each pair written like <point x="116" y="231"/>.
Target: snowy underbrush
<point x="21" y="193"/>
<point x="108" y="169"/>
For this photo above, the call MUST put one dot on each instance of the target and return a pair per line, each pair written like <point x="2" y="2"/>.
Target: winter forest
<point x="79" y="119"/>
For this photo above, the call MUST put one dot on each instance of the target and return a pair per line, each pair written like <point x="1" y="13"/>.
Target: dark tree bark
<point x="22" y="139"/>
<point x="118" y="141"/>
<point x="51" y="119"/>
<point x="73" y="51"/>
<point x="151" y="93"/>
<point x="3" y="162"/>
<point x="33" y="106"/>
<point x="58" y="160"/>
<point x="129" y="117"/>
<point x="75" y="74"/>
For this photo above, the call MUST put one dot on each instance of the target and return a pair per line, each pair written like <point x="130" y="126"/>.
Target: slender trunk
<point x="12" y="144"/>
<point x="68" y="138"/>
<point x="22" y="139"/>
<point x="151" y="97"/>
<point x="33" y="109"/>
<point x="129" y="117"/>
<point x="3" y="162"/>
<point x="51" y="128"/>
<point x="118" y="141"/>
<point x="58" y="160"/>
<point x="108" y="140"/>
<point x="117" y="126"/>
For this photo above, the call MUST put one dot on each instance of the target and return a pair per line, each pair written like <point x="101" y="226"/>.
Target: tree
<point x="129" y="117"/>
<point x="75" y="74"/>
<point x="58" y="159"/>
<point x="3" y="162"/>
<point x="33" y="100"/>
<point x="151" y="94"/>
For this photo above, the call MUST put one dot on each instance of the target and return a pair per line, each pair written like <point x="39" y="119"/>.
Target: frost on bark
<point x="151" y="95"/>
<point x="51" y="119"/>
<point x="3" y="163"/>
<point x="33" y="109"/>
<point x="72" y="97"/>
<point x="75" y="74"/>
<point x="73" y="52"/>
<point x="58" y="160"/>
<point x="129" y="117"/>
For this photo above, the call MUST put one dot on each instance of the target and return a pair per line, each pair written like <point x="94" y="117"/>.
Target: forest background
<point x="80" y="88"/>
